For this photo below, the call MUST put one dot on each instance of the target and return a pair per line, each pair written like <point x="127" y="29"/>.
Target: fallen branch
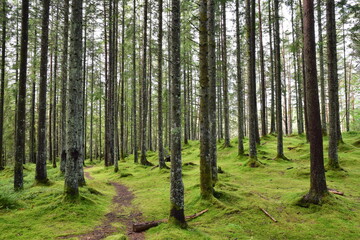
<point x="335" y="192"/>
<point x="140" y="227"/>
<point x="267" y="214"/>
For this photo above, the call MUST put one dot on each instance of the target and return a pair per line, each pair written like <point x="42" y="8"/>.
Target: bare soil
<point x="121" y="204"/>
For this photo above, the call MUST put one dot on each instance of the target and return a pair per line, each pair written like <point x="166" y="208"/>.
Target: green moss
<point x="38" y="212"/>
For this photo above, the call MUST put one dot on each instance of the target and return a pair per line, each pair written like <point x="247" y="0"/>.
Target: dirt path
<point x="122" y="212"/>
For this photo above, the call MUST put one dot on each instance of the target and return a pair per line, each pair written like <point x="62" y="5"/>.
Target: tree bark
<point x="41" y="174"/>
<point x="318" y="187"/>
<point x="176" y="187"/>
<point x="20" y="110"/>
<point x="74" y="103"/>
<point x="240" y="87"/>
<point x="279" y="126"/>
<point x="225" y="79"/>
<point x="134" y="119"/>
<point x="64" y="83"/>
<point x="144" y="97"/>
<point x="321" y="65"/>
<point x="2" y="86"/>
<point x="205" y="161"/>
<point x="262" y="70"/>
<point x="333" y="86"/>
<point x="212" y="87"/>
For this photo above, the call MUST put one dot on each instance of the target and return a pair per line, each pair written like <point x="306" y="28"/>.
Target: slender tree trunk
<point x="122" y="100"/>
<point x="143" y="159"/>
<point x="64" y="82"/>
<point x="303" y="71"/>
<point x="333" y="85"/>
<point x="262" y="69"/>
<point x="321" y="65"/>
<point x="92" y="93"/>
<point x="20" y="110"/>
<point x="279" y="127"/>
<point x="160" y="97"/>
<point x="272" y="114"/>
<point x="225" y="79"/>
<point x="347" y="116"/>
<point x="75" y="98"/>
<point x="176" y="187"/>
<point x="318" y="187"/>
<point x="55" y="143"/>
<point x="250" y="35"/>
<point x="41" y="174"/>
<point x="2" y="86"/>
<point x="212" y="87"/>
<point x="240" y="87"/>
<point x="205" y="161"/>
<point x="134" y="118"/>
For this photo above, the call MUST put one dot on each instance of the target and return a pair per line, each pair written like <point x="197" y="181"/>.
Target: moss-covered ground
<point x="39" y="212"/>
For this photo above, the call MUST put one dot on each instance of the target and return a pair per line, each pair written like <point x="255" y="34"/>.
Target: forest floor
<point x="39" y="212"/>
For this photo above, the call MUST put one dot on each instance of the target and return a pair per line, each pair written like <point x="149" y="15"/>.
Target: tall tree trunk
<point x="318" y="187"/>
<point x="74" y="104"/>
<point x="176" y="187"/>
<point x="303" y="71"/>
<point x="321" y="65"/>
<point x="134" y="119"/>
<point x="205" y="161"/>
<point x="212" y="87"/>
<point x="144" y="102"/>
<point x="240" y="85"/>
<point x="225" y="79"/>
<point x="92" y="93"/>
<point x="347" y="116"/>
<point x="122" y="99"/>
<point x="333" y="85"/>
<point x="64" y="83"/>
<point x="32" y="154"/>
<point x="250" y="35"/>
<point x="279" y="126"/>
<point x="2" y="86"/>
<point x="272" y="114"/>
<point x="41" y="174"/>
<point x="160" y="97"/>
<point x="20" y="110"/>
<point x="262" y="69"/>
<point x="55" y="89"/>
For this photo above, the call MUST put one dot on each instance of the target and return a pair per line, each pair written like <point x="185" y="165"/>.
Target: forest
<point x="170" y="119"/>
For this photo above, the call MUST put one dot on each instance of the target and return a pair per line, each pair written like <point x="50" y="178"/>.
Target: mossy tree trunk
<point x="176" y="187"/>
<point x="205" y="163"/>
<point x="250" y="36"/>
<point x="160" y="92"/>
<point x="333" y="85"/>
<point x="64" y="82"/>
<point x="318" y="187"/>
<point x="212" y="87"/>
<point x="240" y="87"/>
<point x="74" y="104"/>
<point x="2" y="84"/>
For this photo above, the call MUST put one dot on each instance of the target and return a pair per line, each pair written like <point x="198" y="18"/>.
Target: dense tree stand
<point x="318" y="189"/>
